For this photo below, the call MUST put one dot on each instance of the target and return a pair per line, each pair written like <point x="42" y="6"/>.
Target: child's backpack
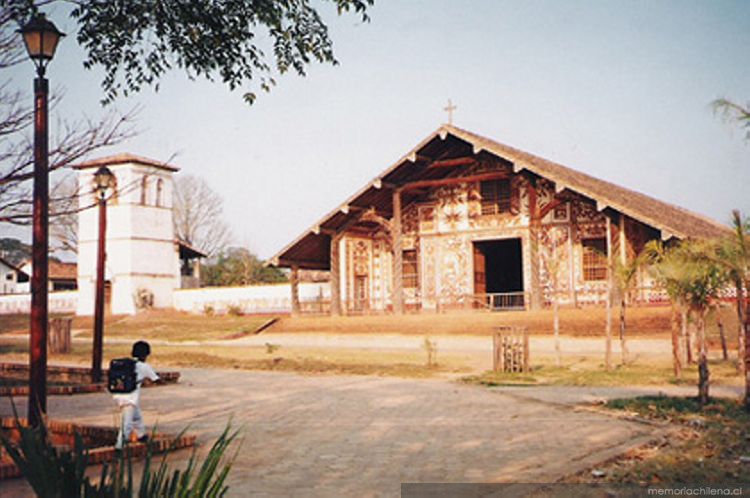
<point x="121" y="377"/>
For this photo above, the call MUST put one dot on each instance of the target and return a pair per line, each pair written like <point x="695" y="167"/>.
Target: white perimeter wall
<point x="274" y="298"/>
<point x="59" y="302"/>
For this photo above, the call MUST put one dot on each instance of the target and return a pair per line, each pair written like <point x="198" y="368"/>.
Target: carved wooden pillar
<point x="335" y="275"/>
<point x="398" y="282"/>
<point x="295" y="290"/>
<point x="623" y="238"/>
<point x="535" y="228"/>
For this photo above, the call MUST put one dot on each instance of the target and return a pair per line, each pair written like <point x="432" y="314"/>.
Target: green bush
<point x="234" y="310"/>
<point x="54" y="473"/>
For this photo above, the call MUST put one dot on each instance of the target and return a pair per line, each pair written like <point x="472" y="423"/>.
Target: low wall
<point x="272" y="298"/>
<point x="59" y="302"/>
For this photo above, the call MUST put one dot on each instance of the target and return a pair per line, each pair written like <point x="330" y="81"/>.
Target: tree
<point x="14" y="251"/>
<point x="706" y="279"/>
<point x="64" y="208"/>
<point x="71" y="142"/>
<point x="733" y="112"/>
<point x="733" y="253"/>
<point x="693" y="280"/>
<point x="666" y="266"/>
<point x="238" y="266"/>
<point x="135" y="42"/>
<point x="198" y="215"/>
<point x="625" y="278"/>
<point x="552" y="266"/>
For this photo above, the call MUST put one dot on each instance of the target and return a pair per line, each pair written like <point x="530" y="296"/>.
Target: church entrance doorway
<point x="498" y="273"/>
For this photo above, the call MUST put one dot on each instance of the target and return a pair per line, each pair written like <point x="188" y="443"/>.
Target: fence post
<point x="59" y="338"/>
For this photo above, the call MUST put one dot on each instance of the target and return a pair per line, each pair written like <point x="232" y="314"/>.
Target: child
<point x="129" y="403"/>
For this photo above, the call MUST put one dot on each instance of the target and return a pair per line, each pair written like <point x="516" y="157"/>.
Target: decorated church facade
<point x="465" y="221"/>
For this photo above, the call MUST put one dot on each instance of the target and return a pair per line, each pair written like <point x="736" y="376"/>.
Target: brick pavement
<point x="363" y="436"/>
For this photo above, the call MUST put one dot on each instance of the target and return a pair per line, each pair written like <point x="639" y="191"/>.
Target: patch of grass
<point x="19" y="322"/>
<point x="180" y="326"/>
<point x="705" y="447"/>
<point x="588" y="372"/>
<point x="588" y="322"/>
<point x="302" y="360"/>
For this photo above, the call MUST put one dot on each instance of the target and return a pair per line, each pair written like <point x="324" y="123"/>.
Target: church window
<point x="144" y="189"/>
<point x="410" y="268"/>
<point x="594" y="259"/>
<point x="495" y="196"/>
<point x="159" y="188"/>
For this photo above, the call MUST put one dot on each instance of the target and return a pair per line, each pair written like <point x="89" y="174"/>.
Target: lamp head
<point x="103" y="180"/>
<point x="40" y="37"/>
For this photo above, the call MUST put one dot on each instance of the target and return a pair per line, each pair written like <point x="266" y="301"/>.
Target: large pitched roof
<point x="310" y="250"/>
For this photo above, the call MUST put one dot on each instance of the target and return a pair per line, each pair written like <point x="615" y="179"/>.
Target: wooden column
<point x="335" y="275"/>
<point x="610" y="284"/>
<point x="622" y="236"/>
<point x="535" y="227"/>
<point x="295" y="290"/>
<point x="398" y="282"/>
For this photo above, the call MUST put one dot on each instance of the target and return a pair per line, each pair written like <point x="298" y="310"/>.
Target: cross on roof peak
<point x="449" y="109"/>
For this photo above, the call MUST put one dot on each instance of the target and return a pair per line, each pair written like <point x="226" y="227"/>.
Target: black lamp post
<point x="103" y="181"/>
<point x="40" y="37"/>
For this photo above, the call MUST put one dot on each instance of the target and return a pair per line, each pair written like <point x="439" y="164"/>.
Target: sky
<point x="620" y="90"/>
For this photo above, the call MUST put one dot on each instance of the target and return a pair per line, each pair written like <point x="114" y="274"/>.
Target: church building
<point x="465" y="221"/>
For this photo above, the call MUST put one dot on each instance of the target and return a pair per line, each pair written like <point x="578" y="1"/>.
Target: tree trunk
<point x="556" y="323"/>
<point x="676" y="356"/>
<point x="702" y="361"/>
<point x="740" y="327"/>
<point x="686" y="335"/>
<point x="623" y="344"/>
<point x="723" y="337"/>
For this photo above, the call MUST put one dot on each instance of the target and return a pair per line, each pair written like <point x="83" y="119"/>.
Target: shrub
<point x="208" y="310"/>
<point x="55" y="473"/>
<point x="271" y="348"/>
<point x="235" y="310"/>
<point x="430" y="347"/>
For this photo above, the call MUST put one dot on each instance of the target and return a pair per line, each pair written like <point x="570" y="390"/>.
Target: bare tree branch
<point x="198" y="213"/>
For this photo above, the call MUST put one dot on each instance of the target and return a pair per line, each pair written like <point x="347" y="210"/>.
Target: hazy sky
<point x="616" y="89"/>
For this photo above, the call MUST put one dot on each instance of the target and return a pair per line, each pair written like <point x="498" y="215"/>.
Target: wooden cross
<point x="449" y="109"/>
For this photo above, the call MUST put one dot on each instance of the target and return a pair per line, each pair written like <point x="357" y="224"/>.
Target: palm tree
<point x="733" y="112"/>
<point x="625" y="278"/>
<point x="705" y="280"/>
<point x="733" y="253"/>
<point x="666" y="266"/>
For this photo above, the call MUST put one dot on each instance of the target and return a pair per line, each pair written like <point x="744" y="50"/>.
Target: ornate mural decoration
<point x="554" y="259"/>
<point x="589" y="222"/>
<point x="427" y="216"/>
<point x="428" y="256"/>
<point x="455" y="266"/>
<point x="545" y="192"/>
<point x="361" y="257"/>
<point x="410" y="219"/>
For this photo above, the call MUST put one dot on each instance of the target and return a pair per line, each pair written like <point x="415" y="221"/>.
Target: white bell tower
<point x="142" y="254"/>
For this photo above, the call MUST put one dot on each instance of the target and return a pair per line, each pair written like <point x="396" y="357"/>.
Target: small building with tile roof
<point x="463" y="220"/>
<point x="10" y="278"/>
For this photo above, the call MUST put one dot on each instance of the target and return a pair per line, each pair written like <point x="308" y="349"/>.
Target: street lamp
<point x="40" y="37"/>
<point x="103" y="181"/>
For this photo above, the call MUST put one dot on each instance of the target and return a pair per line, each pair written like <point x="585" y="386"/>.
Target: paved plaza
<point x="363" y="436"/>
